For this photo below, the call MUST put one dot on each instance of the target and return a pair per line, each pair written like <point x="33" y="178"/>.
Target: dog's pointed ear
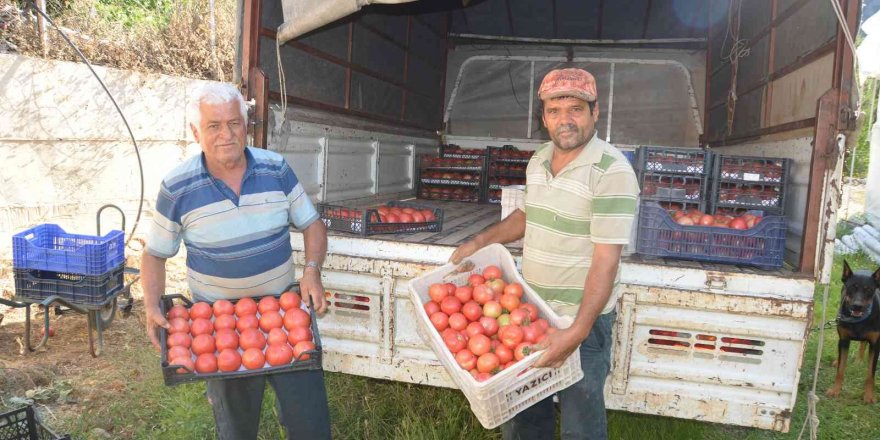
<point x="847" y="272"/>
<point x="876" y="276"/>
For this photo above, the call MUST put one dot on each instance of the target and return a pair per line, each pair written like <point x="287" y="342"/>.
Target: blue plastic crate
<point x="48" y="247"/>
<point x="660" y="236"/>
<point x="35" y="285"/>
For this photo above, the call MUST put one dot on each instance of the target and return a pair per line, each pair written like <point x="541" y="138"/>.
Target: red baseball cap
<point x="568" y="82"/>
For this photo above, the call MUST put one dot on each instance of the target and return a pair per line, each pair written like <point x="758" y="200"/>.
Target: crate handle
<point x="101" y="209"/>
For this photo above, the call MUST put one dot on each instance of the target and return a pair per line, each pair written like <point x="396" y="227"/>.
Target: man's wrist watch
<point x="313" y="265"/>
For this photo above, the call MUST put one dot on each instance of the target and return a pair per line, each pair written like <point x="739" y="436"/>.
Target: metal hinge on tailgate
<point x="716" y="281"/>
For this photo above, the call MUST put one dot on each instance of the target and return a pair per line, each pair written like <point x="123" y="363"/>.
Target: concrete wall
<point x="65" y="151"/>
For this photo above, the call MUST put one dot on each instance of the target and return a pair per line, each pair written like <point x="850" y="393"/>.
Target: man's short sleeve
<point x="301" y="210"/>
<point x="614" y="205"/>
<point x="163" y="240"/>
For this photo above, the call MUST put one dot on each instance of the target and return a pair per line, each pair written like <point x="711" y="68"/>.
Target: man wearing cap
<point x="580" y="203"/>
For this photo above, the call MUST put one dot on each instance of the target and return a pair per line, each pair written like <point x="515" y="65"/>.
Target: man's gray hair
<point x="213" y="93"/>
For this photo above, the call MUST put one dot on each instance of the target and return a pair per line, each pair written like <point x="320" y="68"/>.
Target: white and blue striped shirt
<point x="236" y="246"/>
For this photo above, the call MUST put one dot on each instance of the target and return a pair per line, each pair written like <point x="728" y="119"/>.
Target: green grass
<point x="364" y="408"/>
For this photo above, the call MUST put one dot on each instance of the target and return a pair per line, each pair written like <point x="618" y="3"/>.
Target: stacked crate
<point x="742" y="183"/>
<point x="675" y="178"/>
<point x="458" y="176"/>
<point x="507" y="167"/>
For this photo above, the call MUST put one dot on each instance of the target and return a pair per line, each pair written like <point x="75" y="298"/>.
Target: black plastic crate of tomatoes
<point x="437" y="162"/>
<point x="23" y="424"/>
<point x="751" y="169"/>
<point x="172" y="377"/>
<point x="450" y="193"/>
<point x="692" y="161"/>
<point x="738" y="197"/>
<point x="762" y="246"/>
<point x="34" y="285"/>
<point x="509" y="153"/>
<point x="366" y="221"/>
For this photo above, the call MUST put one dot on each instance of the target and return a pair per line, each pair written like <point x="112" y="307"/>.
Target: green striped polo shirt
<point x="591" y="200"/>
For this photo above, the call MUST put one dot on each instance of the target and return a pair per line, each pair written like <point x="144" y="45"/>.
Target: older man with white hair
<point x="232" y="206"/>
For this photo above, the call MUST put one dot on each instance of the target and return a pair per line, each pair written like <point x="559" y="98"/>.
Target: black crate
<point x="751" y="169"/>
<point x="509" y="154"/>
<point x="34" y="285"/>
<point x="666" y="187"/>
<point x="762" y="246"/>
<point x="23" y="424"/>
<point x="435" y="162"/>
<point x="739" y="197"/>
<point x="366" y="221"/>
<point x="172" y="377"/>
<point x="693" y="161"/>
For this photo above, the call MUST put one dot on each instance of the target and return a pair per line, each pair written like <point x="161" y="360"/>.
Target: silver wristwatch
<point x="313" y="264"/>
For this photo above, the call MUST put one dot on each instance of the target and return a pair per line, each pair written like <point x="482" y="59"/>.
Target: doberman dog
<point x="858" y="320"/>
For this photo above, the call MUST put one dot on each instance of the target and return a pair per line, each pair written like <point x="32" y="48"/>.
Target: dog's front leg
<point x="842" y="352"/>
<point x="873" y="350"/>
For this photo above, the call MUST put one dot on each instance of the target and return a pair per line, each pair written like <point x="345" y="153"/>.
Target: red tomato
<point x="440" y="321"/>
<point x="514" y="289"/>
<point x="497" y="285"/>
<point x="475" y="280"/>
<point x="738" y="223"/>
<point x="431" y="308"/>
<point x="224" y="322"/>
<point x="491" y="272"/>
<point x="178" y="311"/>
<point x="179" y="340"/>
<point x="246" y="322"/>
<point x="277" y="336"/>
<point x="758" y="219"/>
<point x="510" y="301"/>
<point x="531" y="333"/>
<point x="418" y="217"/>
<point x="229" y="360"/>
<point x="437" y="292"/>
<point x="268" y="304"/>
<point x="685" y="221"/>
<point x="203" y="344"/>
<point x="511" y="335"/>
<point x="457" y="321"/>
<point x="226" y="339"/>
<point x="296" y="318"/>
<point x="201" y="310"/>
<point x="178" y="325"/>
<point x="482" y="294"/>
<point x="223" y="307"/>
<point x="252" y="338"/>
<point x="429" y="215"/>
<point x="707" y="220"/>
<point x="503" y="320"/>
<point x="490" y="325"/>
<point x="492" y="309"/>
<point x="270" y="320"/>
<point x="289" y="300"/>
<point x="253" y="358"/>
<point x="186" y="362"/>
<point x="466" y="359"/>
<point x="301" y="348"/>
<point x="177" y="352"/>
<point x="482" y="377"/>
<point x="543" y="324"/>
<point x="279" y="354"/>
<point x="206" y="363"/>
<point x="504" y="354"/>
<point x="533" y="310"/>
<point x="245" y="306"/>
<point x="487" y="363"/>
<point x="464" y="293"/>
<point x="455" y="342"/>
<point x="392" y="218"/>
<point x="520" y="316"/>
<point x="450" y="305"/>
<point x="522" y="350"/>
<point x="474" y="328"/>
<point x="299" y="334"/>
<point x="472" y="311"/>
<point x="202" y="326"/>
<point x="479" y="344"/>
<point x="450" y="288"/>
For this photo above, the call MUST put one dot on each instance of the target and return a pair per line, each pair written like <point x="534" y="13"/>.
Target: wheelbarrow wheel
<point x="107" y="313"/>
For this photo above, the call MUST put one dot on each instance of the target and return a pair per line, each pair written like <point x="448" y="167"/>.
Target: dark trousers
<point x="582" y="405"/>
<point x="301" y="400"/>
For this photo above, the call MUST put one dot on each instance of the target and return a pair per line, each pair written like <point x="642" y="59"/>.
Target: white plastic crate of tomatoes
<point x="494" y="398"/>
